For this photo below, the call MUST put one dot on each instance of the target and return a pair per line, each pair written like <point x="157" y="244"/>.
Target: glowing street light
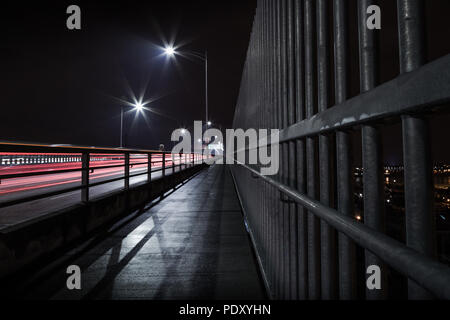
<point x="169" y="51"/>
<point x="138" y="106"/>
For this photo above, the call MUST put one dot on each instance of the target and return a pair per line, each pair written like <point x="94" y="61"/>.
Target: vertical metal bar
<point x="347" y="269"/>
<point x="279" y="222"/>
<point x="273" y="124"/>
<point x="121" y="126"/>
<point x="285" y="157"/>
<point x="292" y="152"/>
<point x="149" y="167"/>
<point x="373" y="184"/>
<point x="302" y="248"/>
<point x="313" y="222"/>
<point x="85" y="158"/>
<point x="268" y="116"/>
<point x="163" y="165"/>
<point x="262" y="63"/>
<point x="262" y="67"/>
<point x="420" y="224"/>
<point x="327" y="241"/>
<point x="257" y="186"/>
<point x="127" y="171"/>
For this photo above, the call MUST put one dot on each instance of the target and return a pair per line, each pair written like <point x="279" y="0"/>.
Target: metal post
<point x="273" y="124"/>
<point x="327" y="241"/>
<point x="285" y="151"/>
<point x="347" y="269"/>
<point x="127" y="171"/>
<point x="121" y="126"/>
<point x="280" y="244"/>
<point x="374" y="208"/>
<point x="420" y="224"/>
<point x="265" y="196"/>
<point x="292" y="223"/>
<point x="302" y="260"/>
<point x="85" y="157"/>
<point x="206" y="86"/>
<point x="313" y="222"/>
<point x="149" y="167"/>
<point x="163" y="165"/>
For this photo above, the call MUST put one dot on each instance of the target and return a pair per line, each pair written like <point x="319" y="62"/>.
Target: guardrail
<point x="40" y="160"/>
<point x="302" y="220"/>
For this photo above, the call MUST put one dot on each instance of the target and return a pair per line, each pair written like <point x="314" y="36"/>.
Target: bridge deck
<point x="192" y="244"/>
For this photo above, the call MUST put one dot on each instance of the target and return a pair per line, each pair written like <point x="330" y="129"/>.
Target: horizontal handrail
<point x="430" y="274"/>
<point x="87" y="164"/>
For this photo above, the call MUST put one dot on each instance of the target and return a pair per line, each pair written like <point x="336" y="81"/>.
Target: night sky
<point x="58" y="86"/>
<point x="61" y="86"/>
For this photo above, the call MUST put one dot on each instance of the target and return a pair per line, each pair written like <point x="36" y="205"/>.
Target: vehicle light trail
<point x="49" y="179"/>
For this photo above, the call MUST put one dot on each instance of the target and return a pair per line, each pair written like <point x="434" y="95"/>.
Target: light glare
<point x="139" y="106"/>
<point x="170" y="51"/>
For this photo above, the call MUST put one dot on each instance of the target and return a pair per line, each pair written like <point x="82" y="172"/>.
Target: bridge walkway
<point x="191" y="244"/>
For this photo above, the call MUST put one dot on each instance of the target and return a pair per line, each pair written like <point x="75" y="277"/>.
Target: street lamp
<point x="138" y="106"/>
<point x="171" y="52"/>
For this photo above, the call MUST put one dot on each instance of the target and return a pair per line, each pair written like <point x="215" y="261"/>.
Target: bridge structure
<point x="150" y="224"/>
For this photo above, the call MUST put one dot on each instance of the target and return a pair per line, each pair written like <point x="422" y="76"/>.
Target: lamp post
<point x="138" y="106"/>
<point x="171" y="52"/>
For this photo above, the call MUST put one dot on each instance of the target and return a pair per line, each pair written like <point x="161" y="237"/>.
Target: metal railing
<point x="38" y="160"/>
<point x="302" y="220"/>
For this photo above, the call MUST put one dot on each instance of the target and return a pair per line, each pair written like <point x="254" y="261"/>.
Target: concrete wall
<point x="25" y="244"/>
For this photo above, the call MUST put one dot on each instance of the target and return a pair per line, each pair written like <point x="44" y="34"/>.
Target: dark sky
<point x="58" y="85"/>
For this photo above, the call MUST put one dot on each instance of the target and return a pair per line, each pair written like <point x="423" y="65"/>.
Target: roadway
<point x="17" y="188"/>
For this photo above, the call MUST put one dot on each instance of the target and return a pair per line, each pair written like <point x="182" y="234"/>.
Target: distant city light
<point x="209" y="123"/>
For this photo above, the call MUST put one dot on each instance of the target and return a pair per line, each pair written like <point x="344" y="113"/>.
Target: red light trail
<point x="49" y="179"/>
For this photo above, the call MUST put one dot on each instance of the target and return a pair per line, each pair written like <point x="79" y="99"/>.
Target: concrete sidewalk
<point x="190" y="245"/>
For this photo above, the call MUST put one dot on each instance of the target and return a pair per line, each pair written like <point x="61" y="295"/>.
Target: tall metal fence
<point x="308" y="242"/>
